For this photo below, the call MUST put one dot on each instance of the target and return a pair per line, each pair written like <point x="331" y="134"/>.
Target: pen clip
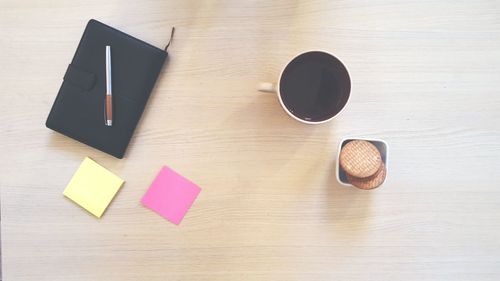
<point x="171" y="37"/>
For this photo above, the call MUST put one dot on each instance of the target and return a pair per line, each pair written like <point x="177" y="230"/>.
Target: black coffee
<point x="315" y="86"/>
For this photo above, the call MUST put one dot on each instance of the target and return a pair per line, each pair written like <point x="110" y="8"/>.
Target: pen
<point x="109" y="96"/>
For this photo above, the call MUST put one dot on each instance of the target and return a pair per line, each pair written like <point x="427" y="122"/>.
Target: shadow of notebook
<point x="78" y="111"/>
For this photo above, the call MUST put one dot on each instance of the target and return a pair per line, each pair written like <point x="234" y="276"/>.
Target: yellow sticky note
<point x="93" y="187"/>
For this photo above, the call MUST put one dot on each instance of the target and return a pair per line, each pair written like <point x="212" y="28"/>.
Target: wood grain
<point x="425" y="78"/>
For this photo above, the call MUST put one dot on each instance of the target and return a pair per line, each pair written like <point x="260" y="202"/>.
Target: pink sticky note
<point x="170" y="195"/>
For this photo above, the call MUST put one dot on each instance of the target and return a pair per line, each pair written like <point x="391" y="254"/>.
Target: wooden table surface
<point x="425" y="77"/>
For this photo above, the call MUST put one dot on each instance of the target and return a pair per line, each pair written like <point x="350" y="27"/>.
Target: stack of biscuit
<point x="362" y="163"/>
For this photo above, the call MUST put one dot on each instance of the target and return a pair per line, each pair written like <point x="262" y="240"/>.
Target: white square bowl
<point x="381" y="146"/>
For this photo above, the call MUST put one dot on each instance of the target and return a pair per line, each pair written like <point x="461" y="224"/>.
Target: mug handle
<point x="267" y="87"/>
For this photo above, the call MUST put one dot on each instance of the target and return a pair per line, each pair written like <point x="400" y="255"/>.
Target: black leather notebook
<point x="78" y="111"/>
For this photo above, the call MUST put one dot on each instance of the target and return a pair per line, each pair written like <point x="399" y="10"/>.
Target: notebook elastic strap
<point x="171" y="37"/>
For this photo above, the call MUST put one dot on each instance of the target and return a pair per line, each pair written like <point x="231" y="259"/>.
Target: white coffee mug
<point x="312" y="88"/>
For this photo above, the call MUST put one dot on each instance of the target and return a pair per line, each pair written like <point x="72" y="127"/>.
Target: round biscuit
<point x="370" y="182"/>
<point x="360" y="158"/>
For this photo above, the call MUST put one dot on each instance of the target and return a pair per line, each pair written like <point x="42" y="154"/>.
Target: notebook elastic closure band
<point x="171" y="37"/>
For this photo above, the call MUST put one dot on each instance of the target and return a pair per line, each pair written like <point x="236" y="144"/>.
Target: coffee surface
<point x="315" y="86"/>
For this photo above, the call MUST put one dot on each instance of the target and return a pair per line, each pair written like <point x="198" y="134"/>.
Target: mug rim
<point x="278" y="88"/>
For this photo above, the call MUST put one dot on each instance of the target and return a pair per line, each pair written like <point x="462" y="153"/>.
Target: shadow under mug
<point x="312" y="88"/>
